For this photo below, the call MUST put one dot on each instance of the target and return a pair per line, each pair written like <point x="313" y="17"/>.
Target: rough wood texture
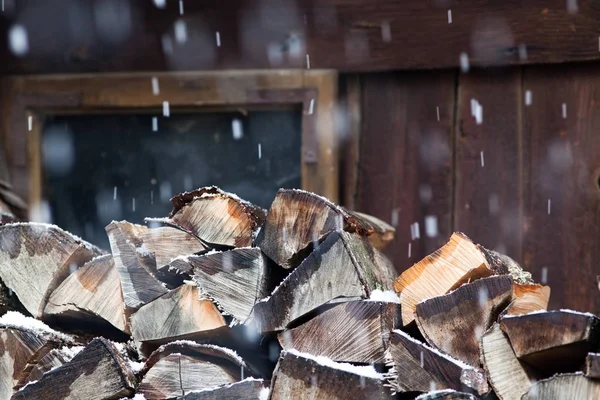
<point x="216" y="217"/>
<point x="528" y="298"/>
<point x="418" y="367"/>
<point x="478" y="196"/>
<point x="10" y="202"/>
<point x="93" y="291"/>
<point x="182" y="367"/>
<point x="553" y="341"/>
<point x="167" y="243"/>
<point x="405" y="169"/>
<point x="177" y="313"/>
<point x="592" y="365"/>
<point x="356" y="331"/>
<point x="380" y="233"/>
<point x="504" y="372"/>
<point x="35" y="258"/>
<point x="458" y="261"/>
<point x="98" y="372"/>
<point x="345" y="266"/>
<point x="564" y="387"/>
<point x="136" y="267"/>
<point x="249" y="388"/>
<point x="455" y="323"/>
<point x="302" y="376"/>
<point x="561" y="166"/>
<point x="446" y="395"/>
<point x="234" y="279"/>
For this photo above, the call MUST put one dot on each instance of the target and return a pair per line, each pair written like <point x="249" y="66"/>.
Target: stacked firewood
<point x="224" y="300"/>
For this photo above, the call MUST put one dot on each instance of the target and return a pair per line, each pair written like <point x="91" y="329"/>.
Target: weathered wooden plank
<point x="564" y="387"/>
<point x="562" y="172"/>
<point x="488" y="177"/>
<point x="406" y="157"/>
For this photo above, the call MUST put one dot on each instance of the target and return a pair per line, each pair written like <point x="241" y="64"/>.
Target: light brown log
<point x="98" y="372"/>
<point x="418" y="367"/>
<point x="136" y="266"/>
<point x="303" y="376"/>
<point x="553" y="341"/>
<point x="35" y="258"/>
<point x="356" y="331"/>
<point x="455" y="322"/>
<point x="177" y="314"/>
<point x="91" y="293"/>
<point x="379" y="233"/>
<point x="528" y="298"/>
<point x="505" y="372"/>
<point x="167" y="243"/>
<point x="344" y="267"/>
<point x="457" y="262"/>
<point x="182" y="367"/>
<point x="564" y="387"/>
<point x="248" y="389"/>
<point x="592" y="365"/>
<point x="216" y="217"/>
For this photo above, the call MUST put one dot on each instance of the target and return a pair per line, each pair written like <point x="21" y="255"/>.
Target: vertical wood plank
<point x="488" y="178"/>
<point x="405" y="158"/>
<point x="350" y="139"/>
<point x="562" y="164"/>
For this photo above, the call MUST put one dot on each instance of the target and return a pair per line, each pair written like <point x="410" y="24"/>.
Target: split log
<point x="457" y="262"/>
<point x="553" y="341"/>
<point x="417" y="367"/>
<point x="469" y="310"/>
<point x="303" y="376"/>
<point x="344" y="267"/>
<point x="298" y="220"/>
<point x="90" y="295"/>
<point x="592" y="365"/>
<point x="182" y="367"/>
<point x="216" y="217"/>
<point x="11" y="202"/>
<point x="9" y="301"/>
<point x="97" y="372"/>
<point x="166" y="243"/>
<point x="36" y="368"/>
<point x="234" y="279"/>
<point x="447" y="394"/>
<point x="35" y="258"/>
<point x="136" y="266"/>
<point x="505" y="372"/>
<point x="379" y="233"/>
<point x="564" y="387"/>
<point x="6" y="217"/>
<point x="177" y="314"/>
<point x="356" y="331"/>
<point x="248" y="389"/>
<point x="528" y="298"/>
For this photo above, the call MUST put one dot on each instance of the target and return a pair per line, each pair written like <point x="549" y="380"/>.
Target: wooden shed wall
<point x="526" y="181"/>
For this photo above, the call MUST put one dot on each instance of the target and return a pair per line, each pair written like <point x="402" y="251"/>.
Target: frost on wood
<point x="92" y="292"/>
<point x="299" y="375"/>
<point x="470" y="310"/>
<point x="344" y="266"/>
<point x="248" y="389"/>
<point x="447" y="394"/>
<point x="356" y="331"/>
<point x="216" y="217"/>
<point x="564" y="387"/>
<point x="35" y="258"/>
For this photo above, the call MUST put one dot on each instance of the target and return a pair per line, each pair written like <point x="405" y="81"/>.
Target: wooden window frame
<point x="38" y="96"/>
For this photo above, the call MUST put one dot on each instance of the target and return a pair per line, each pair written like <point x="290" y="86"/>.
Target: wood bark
<point x="528" y="298"/>
<point x="97" y="372"/>
<point x="216" y="217"/>
<point x="35" y="258"/>
<point x="418" y="367"/>
<point x="249" y="389"/>
<point x="356" y="331"/>
<point x="553" y="341"/>
<point x="564" y="387"/>
<point x="91" y="293"/>
<point x="302" y="376"/>
<point x="505" y="372"/>
<point x="345" y="266"/>
<point x="182" y="367"/>
<point x="455" y="322"/>
<point x="592" y="365"/>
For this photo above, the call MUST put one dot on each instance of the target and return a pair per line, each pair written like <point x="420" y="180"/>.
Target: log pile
<point x="226" y="300"/>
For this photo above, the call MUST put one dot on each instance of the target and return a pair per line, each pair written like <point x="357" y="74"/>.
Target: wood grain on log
<point x="504" y="371"/>
<point x="167" y="243"/>
<point x="592" y="365"/>
<point x="380" y="233"/>
<point x="528" y="298"/>
<point x="553" y="341"/>
<point x="455" y="322"/>
<point x="35" y="258"/>
<point x="98" y="372"/>
<point x="248" y="389"/>
<point x="418" y="367"/>
<point x="447" y="394"/>
<point x="345" y="266"/>
<point x="93" y="291"/>
<point x="564" y="387"/>
<point x="356" y="331"/>
<point x="302" y="376"/>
